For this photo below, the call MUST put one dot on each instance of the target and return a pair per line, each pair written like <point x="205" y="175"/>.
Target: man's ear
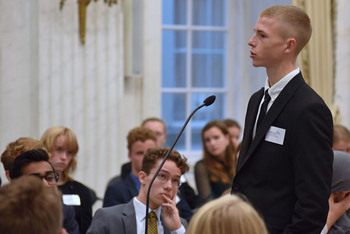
<point x="142" y="177"/>
<point x="290" y="45"/>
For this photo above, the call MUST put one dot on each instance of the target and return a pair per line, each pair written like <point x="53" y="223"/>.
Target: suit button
<point x="236" y="187"/>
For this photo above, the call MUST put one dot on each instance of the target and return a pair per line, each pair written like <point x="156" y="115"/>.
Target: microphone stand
<point x="207" y="102"/>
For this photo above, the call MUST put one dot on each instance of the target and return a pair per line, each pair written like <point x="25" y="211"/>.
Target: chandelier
<point x="82" y="4"/>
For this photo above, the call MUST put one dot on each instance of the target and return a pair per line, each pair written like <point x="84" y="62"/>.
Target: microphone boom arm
<point x="207" y="102"/>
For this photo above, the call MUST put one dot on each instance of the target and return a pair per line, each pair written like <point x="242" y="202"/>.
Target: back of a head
<point x="18" y="147"/>
<point x="227" y="214"/>
<point x="292" y="21"/>
<point x="27" y="206"/>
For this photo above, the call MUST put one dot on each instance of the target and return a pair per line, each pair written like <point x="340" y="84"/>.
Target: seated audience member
<point x="186" y="193"/>
<point x="158" y="127"/>
<point x="36" y="162"/>
<point x="341" y="139"/>
<point x="227" y="214"/>
<point x="62" y="144"/>
<point x="155" y="124"/>
<point x="16" y="148"/>
<point x="139" y="141"/>
<point x="215" y="172"/>
<point x="163" y="216"/>
<point x="26" y="206"/>
<point x="339" y="201"/>
<point x="234" y="130"/>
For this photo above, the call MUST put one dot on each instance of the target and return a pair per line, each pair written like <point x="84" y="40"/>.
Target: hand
<point x="336" y="209"/>
<point x="171" y="213"/>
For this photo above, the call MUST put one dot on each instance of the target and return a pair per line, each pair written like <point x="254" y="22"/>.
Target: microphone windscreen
<point x="209" y="100"/>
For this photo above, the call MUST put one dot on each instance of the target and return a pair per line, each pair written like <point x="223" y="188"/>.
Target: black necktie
<point x="263" y="108"/>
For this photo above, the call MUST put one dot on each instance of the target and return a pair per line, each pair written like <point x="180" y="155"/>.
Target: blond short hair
<point x="292" y="21"/>
<point x="227" y="214"/>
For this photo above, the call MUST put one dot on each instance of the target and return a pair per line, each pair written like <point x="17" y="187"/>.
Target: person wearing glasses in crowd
<point x="163" y="216"/>
<point x="139" y="139"/>
<point x="36" y="163"/>
<point x="18" y="147"/>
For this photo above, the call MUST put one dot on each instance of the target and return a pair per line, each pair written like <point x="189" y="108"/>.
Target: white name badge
<point x="275" y="135"/>
<point x="71" y="199"/>
<point x="178" y="199"/>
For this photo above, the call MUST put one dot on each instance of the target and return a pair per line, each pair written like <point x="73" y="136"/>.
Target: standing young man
<point x="130" y="217"/>
<point x="285" y="163"/>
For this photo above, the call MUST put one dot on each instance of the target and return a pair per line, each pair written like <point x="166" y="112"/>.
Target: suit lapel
<point x="252" y="111"/>
<point x="281" y="101"/>
<point x="128" y="218"/>
<point x="165" y="228"/>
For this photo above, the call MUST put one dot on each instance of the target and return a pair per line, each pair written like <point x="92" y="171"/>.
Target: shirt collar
<point x="276" y="89"/>
<point x="140" y="211"/>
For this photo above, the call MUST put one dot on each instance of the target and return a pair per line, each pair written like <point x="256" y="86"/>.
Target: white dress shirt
<point x="140" y="211"/>
<point x="274" y="91"/>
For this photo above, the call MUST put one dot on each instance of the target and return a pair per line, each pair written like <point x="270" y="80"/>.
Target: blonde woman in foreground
<point x="227" y="214"/>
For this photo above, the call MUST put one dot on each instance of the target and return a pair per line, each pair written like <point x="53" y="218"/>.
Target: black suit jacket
<point x="288" y="183"/>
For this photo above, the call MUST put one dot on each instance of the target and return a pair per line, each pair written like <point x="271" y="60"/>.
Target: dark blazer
<point x="119" y="219"/>
<point x="288" y="183"/>
<point x="120" y="192"/>
<point x="69" y="221"/>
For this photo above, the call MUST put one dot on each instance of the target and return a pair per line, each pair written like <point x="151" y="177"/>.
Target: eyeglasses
<point x="162" y="177"/>
<point x="50" y="177"/>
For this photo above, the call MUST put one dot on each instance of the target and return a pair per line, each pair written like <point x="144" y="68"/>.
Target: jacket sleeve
<point x="313" y="168"/>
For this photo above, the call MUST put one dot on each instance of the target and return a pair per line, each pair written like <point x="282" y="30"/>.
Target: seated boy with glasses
<point x="36" y="163"/>
<point x="163" y="216"/>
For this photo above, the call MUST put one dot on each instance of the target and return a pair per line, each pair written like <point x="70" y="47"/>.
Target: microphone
<point x="207" y="102"/>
